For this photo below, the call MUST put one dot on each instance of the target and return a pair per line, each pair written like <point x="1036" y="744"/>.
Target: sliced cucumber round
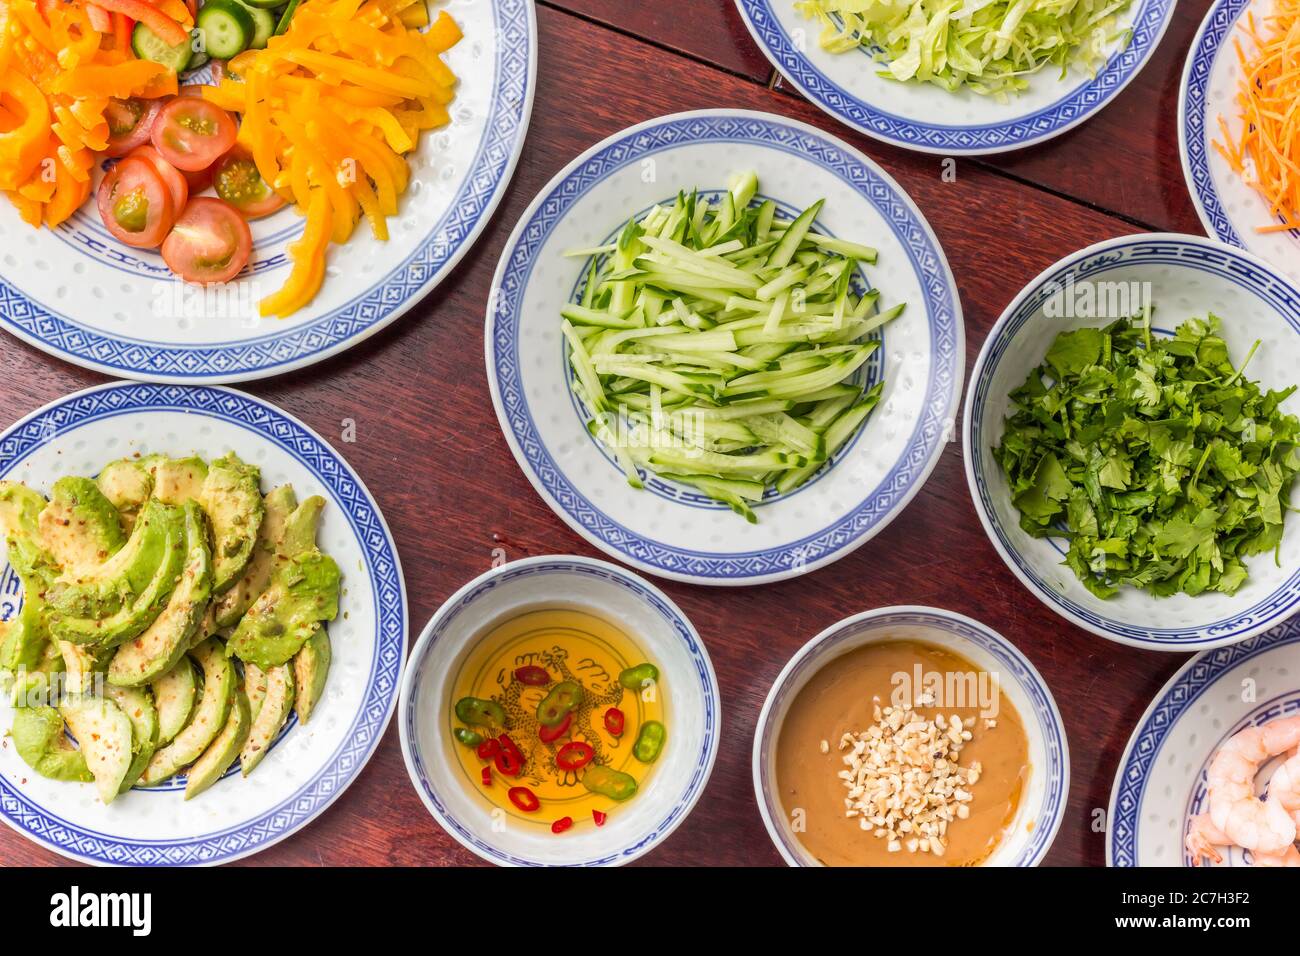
<point x="148" y="46"/>
<point x="263" y="24"/>
<point x="226" y="27"/>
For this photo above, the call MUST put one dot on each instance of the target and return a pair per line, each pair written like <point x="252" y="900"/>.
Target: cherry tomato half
<point x="172" y="177"/>
<point x="532" y="675"/>
<point x="209" y="243"/>
<point x="192" y="133"/>
<point x="130" y="122"/>
<point x="549" y="735"/>
<point x="135" y="203"/>
<point x="238" y="182"/>
<point x="524" y="799"/>
<point x="574" y="755"/>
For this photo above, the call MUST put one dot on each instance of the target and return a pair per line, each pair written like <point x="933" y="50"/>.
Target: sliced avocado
<point x="138" y="706"/>
<point x="232" y="497"/>
<point x="230" y="607"/>
<point x="103" y="733"/>
<point x="23" y="638"/>
<point x="254" y="688"/>
<point x="128" y="485"/>
<point x="39" y="739"/>
<point x="174" y="695"/>
<point x="209" y="715"/>
<point x="72" y="618"/>
<point x="311" y="666"/>
<point x="35" y="686"/>
<point x="162" y="644"/>
<point x="20" y="510"/>
<point x="176" y="480"/>
<point x="83" y="664"/>
<point x="80" y="528"/>
<point x="302" y="594"/>
<point x="274" y="711"/>
<point x="223" y="750"/>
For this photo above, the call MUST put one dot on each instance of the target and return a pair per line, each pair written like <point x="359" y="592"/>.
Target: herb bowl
<point x="689" y="688"/>
<point x="1182" y="277"/>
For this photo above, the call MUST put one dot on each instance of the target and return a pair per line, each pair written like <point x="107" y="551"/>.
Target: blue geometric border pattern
<point x="703" y="671"/>
<point x="1219" y="22"/>
<point x="1222" y="262"/>
<point x="1148" y="739"/>
<point x="382" y="303"/>
<point x="927" y="262"/>
<point x="1008" y="657"/>
<point x="383" y="573"/>
<point x="1149" y="23"/>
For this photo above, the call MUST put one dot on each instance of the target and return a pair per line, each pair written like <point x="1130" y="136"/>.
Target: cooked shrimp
<point x="1267" y="828"/>
<point x="1202" y="838"/>
<point x="1284" y="786"/>
<point x="1288" y="857"/>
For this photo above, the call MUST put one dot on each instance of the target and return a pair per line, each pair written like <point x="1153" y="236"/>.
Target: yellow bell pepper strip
<point x="308" y="255"/>
<point x="22" y="147"/>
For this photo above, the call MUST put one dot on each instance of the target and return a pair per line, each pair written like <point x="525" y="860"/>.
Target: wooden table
<point x="428" y="444"/>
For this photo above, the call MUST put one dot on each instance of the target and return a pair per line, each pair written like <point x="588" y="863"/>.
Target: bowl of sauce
<point x="559" y="711"/>
<point x="910" y="736"/>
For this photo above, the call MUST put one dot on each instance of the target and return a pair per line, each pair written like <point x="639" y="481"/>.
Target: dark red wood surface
<point x="428" y="445"/>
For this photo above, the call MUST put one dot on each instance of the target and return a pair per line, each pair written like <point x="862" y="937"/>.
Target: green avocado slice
<point x="232" y="497"/>
<point x="103" y="733"/>
<point x="278" y="506"/>
<point x="208" y="719"/>
<point x="275" y="710"/>
<point x="139" y="708"/>
<point x="157" y="649"/>
<point x="223" y="750"/>
<point x="41" y="743"/>
<point x="303" y="593"/>
<point x="82" y="663"/>
<point x="78" y="617"/>
<point x="80" y="527"/>
<point x="311" y="666"/>
<point x="34" y="686"/>
<point x="20" y="510"/>
<point x="173" y="695"/>
<point x="176" y="480"/>
<point x="128" y="485"/>
<point x="24" y="638"/>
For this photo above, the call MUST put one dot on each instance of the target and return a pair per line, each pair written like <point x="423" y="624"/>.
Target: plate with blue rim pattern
<point x="82" y="296"/>
<point x="926" y="118"/>
<point x="1229" y="208"/>
<point x="1160" y="783"/>
<point x="310" y="764"/>
<point x="664" y="529"/>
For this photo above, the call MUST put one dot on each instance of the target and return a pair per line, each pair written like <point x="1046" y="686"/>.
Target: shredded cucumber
<point x="715" y="343"/>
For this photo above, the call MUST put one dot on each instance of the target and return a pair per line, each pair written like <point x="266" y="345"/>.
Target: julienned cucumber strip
<point x="714" y="343"/>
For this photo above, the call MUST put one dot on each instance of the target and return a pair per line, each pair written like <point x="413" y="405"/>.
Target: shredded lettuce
<point x="988" y="46"/>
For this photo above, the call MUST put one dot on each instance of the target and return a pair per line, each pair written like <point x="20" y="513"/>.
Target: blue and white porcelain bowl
<point x="1182" y="277"/>
<point x="691" y="702"/>
<point x="926" y="118"/>
<point x="669" y="529"/>
<point x="1042" y="803"/>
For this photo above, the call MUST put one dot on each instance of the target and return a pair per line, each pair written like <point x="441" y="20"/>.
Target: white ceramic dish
<point x="310" y="765"/>
<point x="1184" y="277"/>
<point x="692" y="705"/>
<point x="667" y="529"/>
<point x="82" y="296"/>
<point x="1042" y="804"/>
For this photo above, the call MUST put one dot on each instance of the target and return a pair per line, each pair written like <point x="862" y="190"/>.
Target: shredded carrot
<point x="1266" y="154"/>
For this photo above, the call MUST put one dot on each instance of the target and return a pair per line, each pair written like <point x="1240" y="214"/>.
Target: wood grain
<point x="428" y="445"/>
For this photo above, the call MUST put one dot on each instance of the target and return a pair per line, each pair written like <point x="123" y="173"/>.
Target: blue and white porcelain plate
<point x="926" y="118"/>
<point x="1180" y="277"/>
<point x="1229" y="208"/>
<point x="309" y="765"/>
<point x="80" y="295"/>
<point x="665" y="530"/>
<point x="1160" y="783"/>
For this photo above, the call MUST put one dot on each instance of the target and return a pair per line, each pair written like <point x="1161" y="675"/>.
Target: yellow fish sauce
<point x="558" y="717"/>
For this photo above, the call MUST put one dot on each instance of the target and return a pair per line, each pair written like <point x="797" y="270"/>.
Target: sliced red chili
<point x="549" y="735"/>
<point x="509" y="759"/>
<point x="615" y="722"/>
<point x="562" y="824"/>
<point x="599" y="816"/>
<point x="574" y="755"/>
<point x="487" y="776"/>
<point x="524" y="799"/>
<point x="488" y="749"/>
<point x="532" y="675"/>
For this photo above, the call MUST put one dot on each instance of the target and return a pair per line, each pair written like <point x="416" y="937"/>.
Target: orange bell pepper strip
<point x="22" y="147"/>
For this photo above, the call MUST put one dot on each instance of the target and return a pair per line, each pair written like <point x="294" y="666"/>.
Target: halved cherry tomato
<point x="488" y="749"/>
<point x="574" y="755"/>
<point x="549" y="735"/>
<point x="562" y="824"/>
<point x="130" y="122"/>
<point x="599" y="817"/>
<point x="615" y="722"/>
<point x="192" y="133"/>
<point x="524" y="799"/>
<point x="238" y="182"/>
<point x="532" y="675"/>
<point x="135" y="203"/>
<point x="171" y="176"/>
<point x="209" y="243"/>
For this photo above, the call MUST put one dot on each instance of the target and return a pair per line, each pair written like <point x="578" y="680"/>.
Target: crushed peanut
<point x="903" y="778"/>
